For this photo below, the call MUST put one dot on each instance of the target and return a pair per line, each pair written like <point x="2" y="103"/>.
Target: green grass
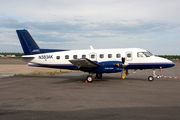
<point x="18" y="74"/>
<point x="50" y="73"/>
<point x="46" y="73"/>
<point x="11" y="53"/>
<point x="170" y="57"/>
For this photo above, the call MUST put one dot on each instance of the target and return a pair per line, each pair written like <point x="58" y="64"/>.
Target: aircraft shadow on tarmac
<point x="66" y="78"/>
<point x="81" y="79"/>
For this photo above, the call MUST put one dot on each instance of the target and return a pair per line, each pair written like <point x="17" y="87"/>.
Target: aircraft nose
<point x="166" y="63"/>
<point x="170" y="63"/>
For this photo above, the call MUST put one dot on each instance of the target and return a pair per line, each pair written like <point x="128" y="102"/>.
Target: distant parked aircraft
<point x="2" y="56"/>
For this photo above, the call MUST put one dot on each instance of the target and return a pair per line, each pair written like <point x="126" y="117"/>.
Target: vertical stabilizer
<point x="27" y="42"/>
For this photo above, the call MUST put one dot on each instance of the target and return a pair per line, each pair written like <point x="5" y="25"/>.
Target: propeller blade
<point x="123" y="72"/>
<point x="123" y="60"/>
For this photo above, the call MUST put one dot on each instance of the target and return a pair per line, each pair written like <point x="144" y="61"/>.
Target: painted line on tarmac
<point x="170" y="77"/>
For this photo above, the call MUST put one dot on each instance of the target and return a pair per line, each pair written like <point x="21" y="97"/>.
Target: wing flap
<point x="84" y="63"/>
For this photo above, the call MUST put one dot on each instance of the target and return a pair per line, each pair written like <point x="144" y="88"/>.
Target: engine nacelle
<point x="107" y="67"/>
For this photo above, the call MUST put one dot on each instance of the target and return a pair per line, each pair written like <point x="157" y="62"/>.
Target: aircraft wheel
<point x="150" y="78"/>
<point x="99" y="75"/>
<point x="158" y="76"/>
<point x="89" y="78"/>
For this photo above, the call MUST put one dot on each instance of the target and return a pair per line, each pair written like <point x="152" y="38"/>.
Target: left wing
<point x="84" y="63"/>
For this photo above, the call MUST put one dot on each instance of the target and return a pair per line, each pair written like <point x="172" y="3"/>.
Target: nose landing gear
<point x="151" y="78"/>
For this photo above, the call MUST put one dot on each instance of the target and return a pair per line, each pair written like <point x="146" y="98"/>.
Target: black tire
<point x="99" y="75"/>
<point x="150" y="78"/>
<point x="89" y="78"/>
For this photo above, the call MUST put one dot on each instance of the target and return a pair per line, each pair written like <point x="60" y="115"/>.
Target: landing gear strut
<point x="151" y="78"/>
<point x="99" y="75"/>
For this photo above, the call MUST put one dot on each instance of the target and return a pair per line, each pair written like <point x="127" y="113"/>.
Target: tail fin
<point x="27" y="42"/>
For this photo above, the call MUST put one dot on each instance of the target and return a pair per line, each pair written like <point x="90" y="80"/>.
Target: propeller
<point x="123" y="68"/>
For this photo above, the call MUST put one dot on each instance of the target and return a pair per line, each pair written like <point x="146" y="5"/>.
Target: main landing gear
<point x="151" y="78"/>
<point x="90" y="77"/>
<point x="98" y="75"/>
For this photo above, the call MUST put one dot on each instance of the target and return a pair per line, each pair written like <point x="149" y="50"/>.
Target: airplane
<point x="93" y="61"/>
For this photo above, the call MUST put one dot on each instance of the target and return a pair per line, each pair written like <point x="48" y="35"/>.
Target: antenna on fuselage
<point x="91" y="47"/>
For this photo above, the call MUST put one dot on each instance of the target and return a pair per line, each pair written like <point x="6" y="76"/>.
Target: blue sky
<point x="76" y="24"/>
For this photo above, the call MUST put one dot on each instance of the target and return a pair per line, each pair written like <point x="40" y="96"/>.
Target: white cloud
<point x="78" y="23"/>
<point x="18" y="44"/>
<point x="140" y="38"/>
<point x="93" y="10"/>
<point x="71" y="42"/>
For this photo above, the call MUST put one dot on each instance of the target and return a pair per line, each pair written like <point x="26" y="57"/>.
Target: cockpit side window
<point x="149" y="53"/>
<point x="140" y="54"/>
<point x="144" y="54"/>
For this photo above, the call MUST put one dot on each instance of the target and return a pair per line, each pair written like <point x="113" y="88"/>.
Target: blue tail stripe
<point x="29" y="45"/>
<point x="27" y="42"/>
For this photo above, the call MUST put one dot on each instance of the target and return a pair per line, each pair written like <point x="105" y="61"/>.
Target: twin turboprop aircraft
<point x="93" y="61"/>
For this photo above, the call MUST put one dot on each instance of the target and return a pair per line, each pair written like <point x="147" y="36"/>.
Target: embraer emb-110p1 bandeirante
<point x="93" y="61"/>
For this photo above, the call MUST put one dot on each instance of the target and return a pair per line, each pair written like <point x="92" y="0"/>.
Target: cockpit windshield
<point x="144" y="54"/>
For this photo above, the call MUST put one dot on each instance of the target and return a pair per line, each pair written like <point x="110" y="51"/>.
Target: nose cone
<point x="170" y="64"/>
<point x="166" y="63"/>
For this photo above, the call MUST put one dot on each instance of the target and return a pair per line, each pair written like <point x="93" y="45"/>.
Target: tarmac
<point x="17" y="66"/>
<point x="67" y="96"/>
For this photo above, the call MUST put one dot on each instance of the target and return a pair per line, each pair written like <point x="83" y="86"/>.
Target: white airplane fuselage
<point x="134" y="60"/>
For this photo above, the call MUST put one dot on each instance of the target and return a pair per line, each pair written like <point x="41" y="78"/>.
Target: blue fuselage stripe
<point x="149" y="65"/>
<point x="130" y="66"/>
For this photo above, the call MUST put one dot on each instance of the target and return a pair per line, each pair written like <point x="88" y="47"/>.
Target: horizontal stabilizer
<point x="84" y="63"/>
<point x="27" y="58"/>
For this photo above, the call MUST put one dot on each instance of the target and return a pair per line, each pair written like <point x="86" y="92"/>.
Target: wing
<point x="84" y="63"/>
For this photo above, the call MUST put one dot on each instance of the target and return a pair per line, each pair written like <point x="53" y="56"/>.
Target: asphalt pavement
<point x="67" y="96"/>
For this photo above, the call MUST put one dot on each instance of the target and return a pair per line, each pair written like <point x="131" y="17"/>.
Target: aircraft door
<point x="93" y="56"/>
<point x="129" y="56"/>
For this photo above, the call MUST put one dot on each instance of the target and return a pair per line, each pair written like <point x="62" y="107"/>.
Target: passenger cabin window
<point x="92" y="56"/>
<point x="57" y="57"/>
<point x="66" y="56"/>
<point x="101" y="55"/>
<point x="129" y="55"/>
<point x="83" y="56"/>
<point x="109" y="55"/>
<point x="75" y="56"/>
<point x="118" y="55"/>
